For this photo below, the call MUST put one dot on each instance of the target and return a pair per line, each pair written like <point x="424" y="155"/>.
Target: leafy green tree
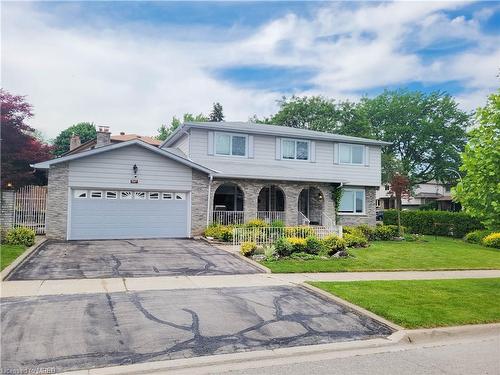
<point x="427" y="131"/>
<point x="321" y="114"/>
<point x="86" y="131"/>
<point x="479" y="192"/>
<point x="217" y="114"/>
<point x="165" y="131"/>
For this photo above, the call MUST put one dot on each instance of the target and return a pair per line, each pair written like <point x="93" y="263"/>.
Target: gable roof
<point x="164" y="152"/>
<point x="265" y="129"/>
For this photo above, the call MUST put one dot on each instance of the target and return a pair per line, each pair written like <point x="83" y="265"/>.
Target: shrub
<point x="283" y="247"/>
<point x="277" y="224"/>
<point x="386" y="232"/>
<point x="455" y="224"/>
<point x="476" y="236"/>
<point x="492" y="240"/>
<point x="220" y="232"/>
<point x="256" y="223"/>
<point x="313" y="245"/>
<point x="300" y="231"/>
<point x="353" y="240"/>
<point x="333" y="244"/>
<point x="368" y="231"/>
<point x="352" y="230"/>
<point x="248" y="248"/>
<point x="298" y="244"/>
<point x="269" y="251"/>
<point x="20" y="236"/>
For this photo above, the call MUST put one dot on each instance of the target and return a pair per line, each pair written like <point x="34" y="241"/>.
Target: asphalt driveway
<point x="129" y="258"/>
<point x="72" y="332"/>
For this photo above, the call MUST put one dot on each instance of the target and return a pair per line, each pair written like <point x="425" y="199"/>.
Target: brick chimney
<point x="74" y="141"/>
<point x="103" y="136"/>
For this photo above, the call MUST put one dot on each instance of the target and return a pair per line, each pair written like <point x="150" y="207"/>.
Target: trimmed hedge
<point x="440" y="223"/>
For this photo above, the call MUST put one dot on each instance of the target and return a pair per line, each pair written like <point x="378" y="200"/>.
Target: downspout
<point x="210" y="179"/>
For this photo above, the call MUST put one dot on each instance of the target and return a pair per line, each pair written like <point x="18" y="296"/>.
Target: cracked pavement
<point x="129" y="258"/>
<point x="95" y="330"/>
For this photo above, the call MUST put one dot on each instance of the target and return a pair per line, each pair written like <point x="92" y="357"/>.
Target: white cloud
<point x="136" y="77"/>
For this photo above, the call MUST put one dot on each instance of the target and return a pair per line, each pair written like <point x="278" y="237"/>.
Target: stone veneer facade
<point x="57" y="201"/>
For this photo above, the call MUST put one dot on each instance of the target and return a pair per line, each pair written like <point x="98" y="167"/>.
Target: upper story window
<point x="351" y="154"/>
<point x="294" y="149"/>
<point x="230" y="144"/>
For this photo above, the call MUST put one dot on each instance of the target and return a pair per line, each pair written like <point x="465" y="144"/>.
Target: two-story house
<point x="228" y="172"/>
<point x="431" y="194"/>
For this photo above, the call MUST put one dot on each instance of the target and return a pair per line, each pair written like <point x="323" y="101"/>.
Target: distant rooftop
<point x="283" y="131"/>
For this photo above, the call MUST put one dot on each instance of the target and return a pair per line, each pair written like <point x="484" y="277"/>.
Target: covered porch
<point x="290" y="203"/>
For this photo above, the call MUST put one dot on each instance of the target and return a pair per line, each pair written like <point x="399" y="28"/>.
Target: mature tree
<point x="165" y="131"/>
<point x="399" y="188"/>
<point x="86" y="131"/>
<point x="217" y="115"/>
<point x="427" y="131"/>
<point x="20" y="147"/>
<point x="479" y="192"/>
<point x="321" y="114"/>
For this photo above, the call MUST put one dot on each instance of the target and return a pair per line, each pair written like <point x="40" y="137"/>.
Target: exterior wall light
<point x="135" y="169"/>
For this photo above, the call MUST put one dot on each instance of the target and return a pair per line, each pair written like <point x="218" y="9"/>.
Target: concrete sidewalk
<point x="79" y="286"/>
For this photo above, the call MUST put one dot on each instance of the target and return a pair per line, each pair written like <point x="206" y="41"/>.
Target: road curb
<point x="39" y="241"/>
<point x="429" y="335"/>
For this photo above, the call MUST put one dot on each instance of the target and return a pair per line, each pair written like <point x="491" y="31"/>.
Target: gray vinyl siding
<point x="113" y="169"/>
<point x="265" y="165"/>
<point x="182" y="144"/>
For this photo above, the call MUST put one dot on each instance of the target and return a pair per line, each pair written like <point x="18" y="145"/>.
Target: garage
<point x="129" y="190"/>
<point x="115" y="214"/>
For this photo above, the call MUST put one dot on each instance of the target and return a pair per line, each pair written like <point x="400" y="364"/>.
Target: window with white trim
<point x="180" y="196"/>
<point x="351" y="154"/>
<point x="111" y="195"/>
<point x="294" y="149"/>
<point x="227" y="144"/>
<point x="140" y="195"/>
<point x="167" y="196"/>
<point x="154" y="195"/>
<point x="96" y="194"/>
<point x="353" y="201"/>
<point x="126" y="195"/>
<point x="80" y="194"/>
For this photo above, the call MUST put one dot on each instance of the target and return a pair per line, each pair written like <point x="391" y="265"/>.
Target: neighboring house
<point x="211" y="172"/>
<point x="104" y="138"/>
<point x="432" y="193"/>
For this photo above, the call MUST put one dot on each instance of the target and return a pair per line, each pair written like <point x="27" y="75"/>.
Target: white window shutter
<point x="278" y="148"/>
<point x="312" y="151"/>
<point x="210" y="143"/>
<point x="250" y="146"/>
<point x="335" y="153"/>
<point x="367" y="155"/>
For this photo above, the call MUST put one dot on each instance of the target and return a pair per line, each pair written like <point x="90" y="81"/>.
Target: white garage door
<point x="113" y="214"/>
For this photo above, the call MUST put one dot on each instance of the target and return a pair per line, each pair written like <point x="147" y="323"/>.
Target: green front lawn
<point x="424" y="303"/>
<point x="437" y="254"/>
<point x="9" y="253"/>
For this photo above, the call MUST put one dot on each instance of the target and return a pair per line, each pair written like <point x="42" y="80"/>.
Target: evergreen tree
<point x="216" y="115"/>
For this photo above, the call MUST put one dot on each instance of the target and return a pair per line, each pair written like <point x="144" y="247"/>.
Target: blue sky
<point x="134" y="65"/>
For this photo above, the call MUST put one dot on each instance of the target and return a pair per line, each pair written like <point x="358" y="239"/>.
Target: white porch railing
<point x="270" y="216"/>
<point x="228" y="217"/>
<point x="268" y="235"/>
<point x="327" y="221"/>
<point x="303" y="219"/>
